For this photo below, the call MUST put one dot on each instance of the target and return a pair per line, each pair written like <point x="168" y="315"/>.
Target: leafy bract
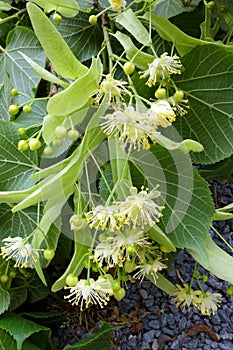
<point x="78" y="94"/>
<point x="183" y="42"/>
<point x="131" y="23"/>
<point x="207" y="82"/>
<point x="218" y="261"/>
<point x="16" y="167"/>
<point x="17" y="68"/>
<point x="56" y="49"/>
<point x="67" y="8"/>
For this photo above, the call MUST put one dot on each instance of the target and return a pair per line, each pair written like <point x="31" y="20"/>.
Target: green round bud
<point x="49" y="254"/>
<point x="27" y="109"/>
<point x="22" y="145"/>
<point x="57" y="18"/>
<point x="48" y="151"/>
<point x="34" y="144"/>
<point x="73" y="134"/>
<point x="60" y="132"/>
<point x="128" y="68"/>
<point x="14" y="92"/>
<point x="230" y="290"/>
<point x="210" y="5"/>
<point x="160" y="93"/>
<point x="178" y="95"/>
<point x="13" y="109"/>
<point x="22" y="131"/>
<point x="196" y="273"/>
<point x="115" y="285"/>
<point x="205" y="278"/>
<point x="71" y="280"/>
<point x="93" y="20"/>
<point x="13" y="274"/>
<point x="4" y="278"/>
<point x="57" y="142"/>
<point x="119" y="294"/>
<point x="95" y="268"/>
<point x="130" y="249"/>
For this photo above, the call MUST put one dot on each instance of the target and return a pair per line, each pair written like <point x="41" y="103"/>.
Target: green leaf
<point x="6" y="341"/>
<point x="21" y="75"/>
<point x="66" y="102"/>
<point x="18" y="296"/>
<point x="36" y="289"/>
<point x="84" y="39"/>
<point x="222" y="170"/>
<point x="218" y="261"/>
<point x="36" y="118"/>
<point x="16" y="166"/>
<point x="4" y="6"/>
<point x="67" y="8"/>
<point x="101" y="340"/>
<point x="56" y="49"/>
<point x="21" y="329"/>
<point x="5" y="300"/>
<point x="208" y="87"/>
<point x="130" y="22"/>
<point x="188" y="204"/>
<point x="170" y="8"/>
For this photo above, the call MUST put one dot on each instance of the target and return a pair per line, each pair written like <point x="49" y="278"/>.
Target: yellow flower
<point x="117" y="4"/>
<point x="161" y="68"/>
<point x="150" y="269"/>
<point x="161" y="113"/>
<point x="87" y="292"/>
<point x="22" y="252"/>
<point x="129" y="126"/>
<point x="209" y="303"/>
<point x="112" y="88"/>
<point x="103" y="217"/>
<point x="186" y="296"/>
<point x="140" y="208"/>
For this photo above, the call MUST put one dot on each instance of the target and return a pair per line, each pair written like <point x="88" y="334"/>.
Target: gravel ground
<point x="150" y="319"/>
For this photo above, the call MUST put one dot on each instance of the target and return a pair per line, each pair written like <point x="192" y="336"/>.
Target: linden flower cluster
<point x="90" y="291"/>
<point x="206" y="302"/>
<point x="123" y="246"/>
<point x="137" y="210"/>
<point x="134" y="128"/>
<point x="20" y="250"/>
<point x="162" y="68"/>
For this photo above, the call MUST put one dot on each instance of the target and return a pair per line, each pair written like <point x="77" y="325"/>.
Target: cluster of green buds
<point x="60" y="133"/>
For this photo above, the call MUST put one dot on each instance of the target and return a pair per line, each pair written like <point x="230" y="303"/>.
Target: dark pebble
<point x="155" y="324"/>
<point x="149" y="336"/>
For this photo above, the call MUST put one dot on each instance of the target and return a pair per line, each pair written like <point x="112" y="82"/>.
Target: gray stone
<point x="145" y="346"/>
<point x="183" y="323"/>
<point x="155" y="324"/>
<point x="149" y="336"/>
<point x="225" y="346"/>
<point x="175" y="345"/>
<point x="143" y="293"/>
